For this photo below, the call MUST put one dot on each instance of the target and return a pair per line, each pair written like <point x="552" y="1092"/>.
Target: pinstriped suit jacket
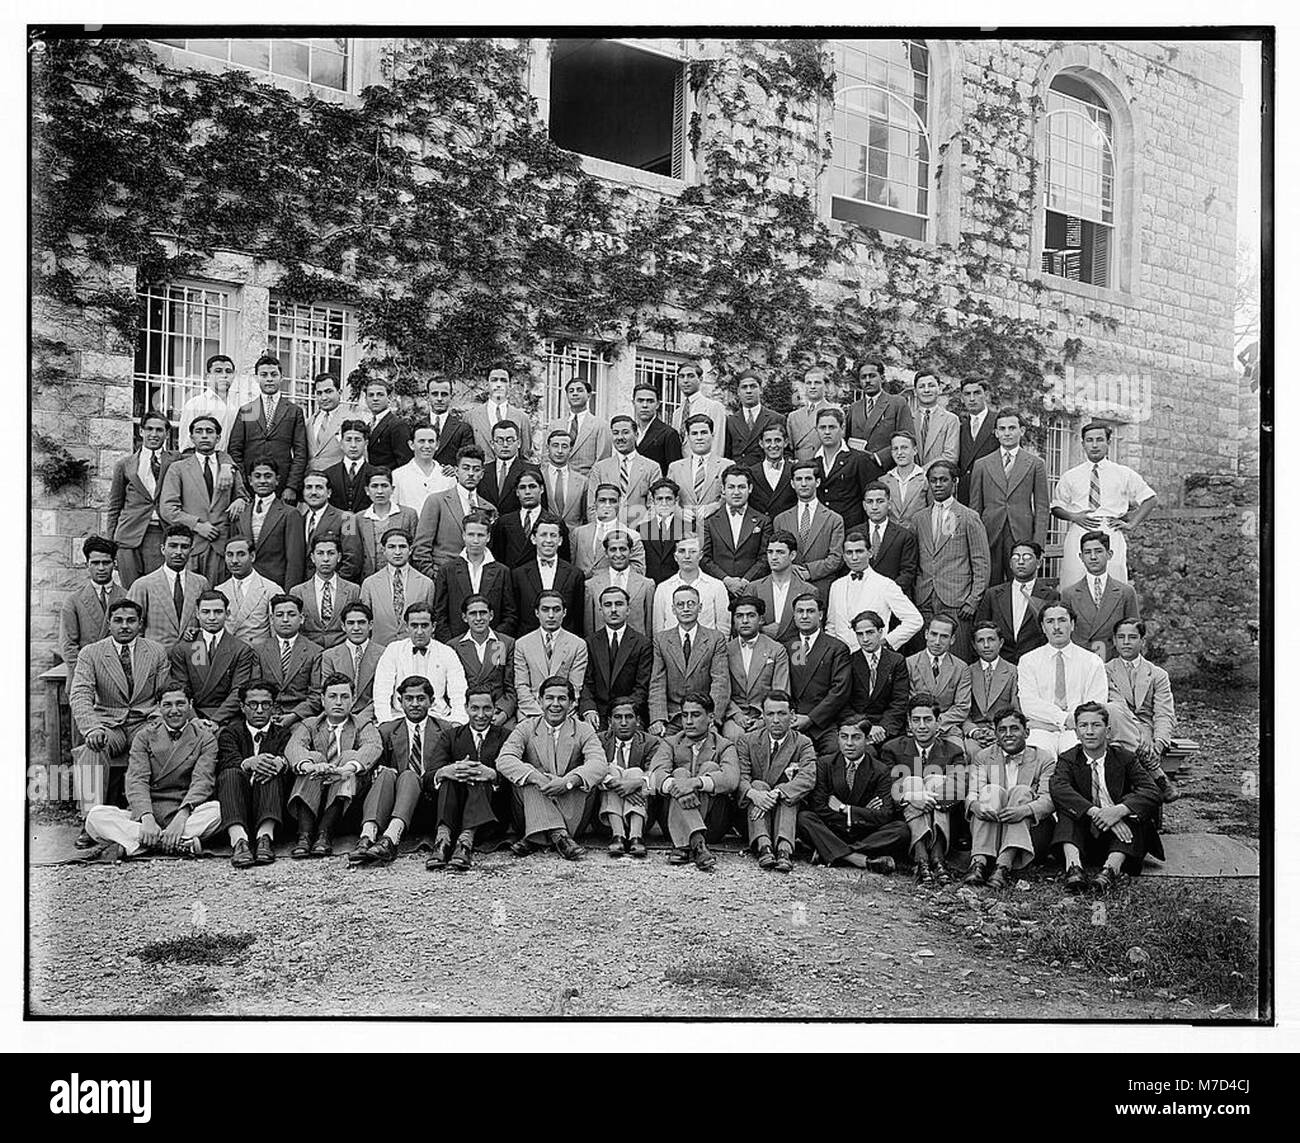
<point x="83" y="621"/>
<point x="99" y="696"/>
<point x="154" y="596"/>
<point x="954" y="569"/>
<point x="250" y="621"/>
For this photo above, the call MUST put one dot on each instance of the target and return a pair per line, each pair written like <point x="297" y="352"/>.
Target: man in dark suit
<point x="894" y="551"/>
<point x="512" y="533"/>
<point x="976" y="437"/>
<point x="745" y="427"/>
<point x="851" y="815"/>
<point x="820" y="674"/>
<point x="626" y="802"/>
<point x="879" y="682"/>
<point x="876" y="417"/>
<point x="271" y="427"/>
<point x="325" y="594"/>
<point x="488" y="659"/>
<point x="1106" y="802"/>
<point x="134" y="523"/>
<point x="654" y="439"/>
<point x="1014" y="605"/>
<point x="547" y="569"/>
<point x="454" y="432"/>
<point x="474" y="573"/>
<point x="772" y="491"/>
<point x="273" y="526"/>
<point x="321" y="518"/>
<point x="737" y="563"/>
<point x="661" y="530"/>
<point x="288" y="659"/>
<point x="619" y="663"/>
<point x="502" y="474"/>
<point x="1008" y="488"/>
<point x="348" y="478"/>
<point x="356" y="658"/>
<point x="843" y="472"/>
<point x="250" y="775"/>
<point x="389" y="444"/>
<point x="214" y="666"/>
<point x="1099" y="600"/>
<point x="84" y="617"/>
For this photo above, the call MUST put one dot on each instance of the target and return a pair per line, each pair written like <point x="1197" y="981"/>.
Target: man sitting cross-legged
<point x="556" y="764"/>
<point x="329" y="754"/>
<point x="695" y="782"/>
<point x="852" y="816"/>
<point x="925" y="769"/>
<point x="1106" y="803"/>
<point x="396" y="783"/>
<point x="250" y="774"/>
<point x="632" y="755"/>
<point x="169" y="784"/>
<point x="778" y="770"/>
<point x="1009" y="803"/>
<point x="462" y="779"/>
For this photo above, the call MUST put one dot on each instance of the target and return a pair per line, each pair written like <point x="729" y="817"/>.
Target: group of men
<point x="826" y="626"/>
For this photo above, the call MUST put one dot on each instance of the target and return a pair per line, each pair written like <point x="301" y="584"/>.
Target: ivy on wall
<point x="440" y="208"/>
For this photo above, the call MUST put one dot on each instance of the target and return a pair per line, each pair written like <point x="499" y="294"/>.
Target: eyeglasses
<point x="256" y="705"/>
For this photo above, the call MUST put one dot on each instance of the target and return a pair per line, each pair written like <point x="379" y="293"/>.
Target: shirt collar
<point x="371" y="514"/>
<point x="487" y="557"/>
<point x="468" y="637"/>
<point x="254" y="731"/>
<point x="333" y="581"/>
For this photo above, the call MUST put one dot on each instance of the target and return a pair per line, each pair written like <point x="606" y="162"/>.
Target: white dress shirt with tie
<point x="1046" y="710"/>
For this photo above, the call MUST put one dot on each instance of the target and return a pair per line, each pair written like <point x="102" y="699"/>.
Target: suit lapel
<point x="1141" y="684"/>
<point x="864" y="771"/>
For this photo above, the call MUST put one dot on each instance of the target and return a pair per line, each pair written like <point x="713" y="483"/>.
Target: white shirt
<point x="1085" y="681"/>
<point x="807" y="641"/>
<point x="476" y="569"/>
<point x="464" y="494"/>
<point x="259" y="518"/>
<point x="772" y="473"/>
<point x="873" y="592"/>
<point x="715" y="603"/>
<point x="736" y="520"/>
<point x="371" y="514"/>
<point x="780" y="593"/>
<point x="439" y="664"/>
<point x="1006" y="453"/>
<point x="425" y="729"/>
<point x="333" y="581"/>
<point x="747" y="653"/>
<point x="618" y="578"/>
<point x="208" y="403"/>
<point x="254" y="732"/>
<point x="1096" y="584"/>
<point x="560" y="479"/>
<point x="1098" y="768"/>
<point x="1020" y="593"/>
<point x="211" y="640"/>
<point x="547" y="572"/>
<point x="412" y="486"/>
<point x="1121" y="489"/>
<point x="977" y="422"/>
<point x="172" y="577"/>
<point x="829" y="462"/>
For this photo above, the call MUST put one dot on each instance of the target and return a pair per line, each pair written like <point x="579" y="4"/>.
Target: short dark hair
<point x="1008" y="411"/>
<point x="505" y="426"/>
<point x="267" y="685"/>
<point x="183" y="530"/>
<point x="472" y="599"/>
<point x="381" y="471"/>
<point x="559" y="432"/>
<point x="749" y="601"/>
<point x="1098" y="535"/>
<point x="664" y="482"/>
<point x="1092" y="708"/>
<point x="383" y="382"/>
<point x="95" y="544"/>
<point x="156" y="415"/>
<point x="698" y="419"/>
<point x="946" y="618"/>
<point x="647" y="388"/>
<point x="211" y="596"/>
<point x="858" y="536"/>
<point x="622" y="419"/>
<point x="786" y="538"/>
<point x="416" y="607"/>
<point x="837" y="415"/>
<point x="216" y="424"/>
<point x="604" y="591"/>
<point x="736" y="470"/>
<point x="479" y="688"/>
<point x="548" y="518"/>
<point x="800" y="465"/>
<point x="557" y="681"/>
<point x="579" y="380"/>
<point x="337" y="679"/>
<point x="396" y="530"/>
<point x="267" y="359"/>
<point x="355" y="426"/>
<point x="1032" y="545"/>
<point x="925" y="699"/>
<point x="778" y="696"/>
<point x="876" y="361"/>
<point x="605" y="486"/>
<point x="986" y="625"/>
<point x="944" y="464"/>
<point x="872" y="617"/>
<point x="1109" y="430"/>
<point x="469" y="452"/>
<point x="175" y="686"/>
<point x="1008" y="712"/>
<point x="477" y="516"/>
<point x="979" y="382"/>
<point x="284" y="597"/>
<point x="817" y="599"/>
<point x="1042" y="615"/>
<point x="322" y="377"/>
<point x="549" y="593"/>
<point x="876" y="486"/>
<point x="699" y="698"/>
<point x="1131" y="621"/>
<point x="265" y="462"/>
<point x="326" y="538"/>
<point x="119" y="604"/>
<point x="211" y="361"/>
<point x="356" y="605"/>
<point x="411" y="682"/>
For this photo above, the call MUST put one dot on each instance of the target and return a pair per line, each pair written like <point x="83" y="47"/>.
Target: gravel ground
<point x="540" y="937"/>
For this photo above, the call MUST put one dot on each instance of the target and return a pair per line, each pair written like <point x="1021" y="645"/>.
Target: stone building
<point x="1087" y="186"/>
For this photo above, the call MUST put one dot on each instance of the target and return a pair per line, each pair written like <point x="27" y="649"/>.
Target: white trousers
<point x="1055" y="742"/>
<point x="109" y="823"/>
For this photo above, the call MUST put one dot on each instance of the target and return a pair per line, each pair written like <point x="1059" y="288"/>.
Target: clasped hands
<point x="1112" y="818"/>
<point x="153" y="836"/>
<point x="263" y="767"/>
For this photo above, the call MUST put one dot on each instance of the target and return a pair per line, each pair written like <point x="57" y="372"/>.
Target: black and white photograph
<point x="593" y="523"/>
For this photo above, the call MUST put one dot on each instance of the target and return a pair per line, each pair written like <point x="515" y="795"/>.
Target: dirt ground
<point x="540" y="937"/>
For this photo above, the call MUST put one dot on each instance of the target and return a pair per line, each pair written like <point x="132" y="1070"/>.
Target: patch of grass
<point x="183" y="1001"/>
<point x="731" y="974"/>
<point x="205" y="948"/>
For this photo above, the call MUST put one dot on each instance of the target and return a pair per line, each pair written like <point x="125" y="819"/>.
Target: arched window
<point x="1079" y="234"/>
<point x="880" y="167"/>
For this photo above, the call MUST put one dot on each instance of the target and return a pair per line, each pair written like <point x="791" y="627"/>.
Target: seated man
<point x="1105" y="805"/>
<point x="757" y="664"/>
<point x="250" y="770"/>
<point x="329" y="754"/>
<point x="691" y="781"/>
<point x="556" y="764"/>
<point x="169" y="784"/>
<point x="778" y="770"/>
<point x="1099" y="600"/>
<point x="288" y="659"/>
<point x="462" y="779"/>
<point x="944" y="677"/>
<point x="993" y="685"/>
<point x="926" y="769"/>
<point x="632" y="755"/>
<point x="619" y="573"/>
<point x="1009" y="803"/>
<point x="879" y="683"/>
<point x="115" y="688"/>
<point x="214" y="666"/>
<point x="1141" y="703"/>
<point x="588" y="540"/>
<point x="619" y="662"/>
<point x="1056" y="678"/>
<point x="852" y="816"/>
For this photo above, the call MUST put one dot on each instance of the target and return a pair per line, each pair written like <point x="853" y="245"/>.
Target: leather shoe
<point x="766" y="858"/>
<point x="241" y="857"/>
<point x="704" y="859"/>
<point x="783" y="864"/>
<point x="521" y="848"/>
<point x="85" y="841"/>
<point x="978" y="873"/>
<point x="940" y="874"/>
<point x="382" y="852"/>
<point x="1000" y="878"/>
<point x="883" y="865"/>
<point x="616" y="847"/>
<point x="569" y="849"/>
<point x="112" y="853"/>
<point x="1168" y="791"/>
<point x="1105" y="881"/>
<point x="460" y="859"/>
<point x="679" y="857"/>
<point x="1076" y="881"/>
<point x="636" y="847"/>
<point x="441" y="852"/>
<point x="265" y="854"/>
<point x="324" y="846"/>
<point x="923" y="873"/>
<point x="301" y="847"/>
<point x="360" y="855"/>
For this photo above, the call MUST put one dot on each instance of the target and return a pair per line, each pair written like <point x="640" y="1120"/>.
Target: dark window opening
<point x="614" y="102"/>
<point x="1077" y="249"/>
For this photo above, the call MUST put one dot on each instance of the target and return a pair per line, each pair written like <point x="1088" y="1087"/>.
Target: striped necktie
<point x="399" y="593"/>
<point x="1094" y="487"/>
<point x="286" y="653"/>
<point x="327" y="603"/>
<point x="805" y="528"/>
<point x="417" y="750"/>
<point x="699" y="480"/>
<point x="1059" y="695"/>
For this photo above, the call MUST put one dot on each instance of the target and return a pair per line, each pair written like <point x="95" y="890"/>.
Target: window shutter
<point x="1100" y="256"/>
<point x="679" y="124"/>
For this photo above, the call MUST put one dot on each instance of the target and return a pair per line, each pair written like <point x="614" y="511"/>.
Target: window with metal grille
<point x="181" y="326"/>
<point x="660" y="370"/>
<point x="321" y="61"/>
<point x="880" y="164"/>
<point x="1079" y="184"/>
<point x="613" y="101"/>
<point x="310" y="340"/>
<point x="563" y="361"/>
<point x="1057" y="458"/>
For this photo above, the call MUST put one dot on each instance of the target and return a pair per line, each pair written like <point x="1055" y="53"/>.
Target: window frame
<point x="350" y="350"/>
<point x="552" y="395"/>
<point x="670" y="404"/>
<point x="349" y="86"/>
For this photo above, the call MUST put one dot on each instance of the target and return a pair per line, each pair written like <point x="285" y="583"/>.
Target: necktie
<point x="421" y="651"/>
<point x="352" y="472"/>
<point x="549" y="640"/>
<point x="356" y="661"/>
<point x="207" y="475"/>
<point x="872" y="662"/>
<point x="103" y="600"/>
<point x="478" y="743"/>
<point x="437" y="432"/>
<point x="286" y="652"/>
<point x="503" y="467"/>
<point x="417" y="750"/>
<point x="154" y="466"/>
<point x="686" y="647"/>
<point x="1007" y="460"/>
<point x="1094" y="487"/>
<point x="559" y="492"/>
<point x="805" y="527"/>
<point x="807" y="646"/>
<point x="327" y="603"/>
<point x="528" y="523"/>
<point x="623" y="479"/>
<point x="332" y="750"/>
<point x="1059" y="695"/>
<point x="124" y="650"/>
<point x="500" y="415"/>
<point x="313" y="518"/>
<point x="613" y="651"/>
<point x="851" y="771"/>
<point x="178" y="597"/>
<point x="925" y="426"/>
<point x="749" y="417"/>
<point x="1096" y="590"/>
<point x="622" y="756"/>
<point x="934" y="667"/>
<point x="875" y="536"/>
<point x="686" y="411"/>
<point x="257" y="743"/>
<point x="573" y="429"/>
<point x="239" y="595"/>
<point x="268" y="406"/>
<point x="699" y="480"/>
<point x="399" y="594"/>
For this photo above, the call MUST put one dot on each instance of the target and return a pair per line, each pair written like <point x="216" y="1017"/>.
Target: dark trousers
<point x="836" y="844"/>
<point x="1095" y="848"/>
<point x="464" y="805"/>
<point x="247" y="803"/>
<point x="719" y="816"/>
<point x="132" y="563"/>
<point x="1000" y="555"/>
<point x="391" y="795"/>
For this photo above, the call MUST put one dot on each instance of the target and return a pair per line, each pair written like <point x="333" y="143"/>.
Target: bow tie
<point x="419" y="650"/>
<point x="856" y="575"/>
